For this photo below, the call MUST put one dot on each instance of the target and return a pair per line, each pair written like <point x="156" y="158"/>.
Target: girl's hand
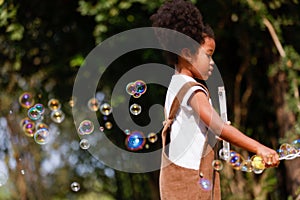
<point x="269" y="156"/>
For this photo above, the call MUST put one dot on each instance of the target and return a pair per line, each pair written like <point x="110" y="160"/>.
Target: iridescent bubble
<point x="236" y="160"/>
<point x="205" y="184"/>
<point x="108" y="125"/>
<point x="127" y="132"/>
<point x="29" y="129"/>
<point x="75" y="187"/>
<point x="247" y="166"/>
<point x="135" y="141"/>
<point x="57" y="116"/>
<point x="40" y="107"/>
<point x="130" y="88"/>
<point x="296" y="144"/>
<point x="26" y="100"/>
<point x="135" y="109"/>
<point x="152" y="137"/>
<point x="105" y="109"/>
<point x="140" y="86"/>
<point x="137" y="95"/>
<point x="93" y="104"/>
<point x="258" y="164"/>
<point x="101" y="128"/>
<point x="24" y="121"/>
<point x="41" y="136"/>
<point x="54" y="104"/>
<point x="42" y="125"/>
<point x="84" y="144"/>
<point x="86" y="127"/>
<point x="34" y="114"/>
<point x="217" y="165"/>
<point x="286" y="149"/>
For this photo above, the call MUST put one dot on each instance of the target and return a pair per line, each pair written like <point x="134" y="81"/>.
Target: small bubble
<point x="127" y="132"/>
<point x="41" y="136"/>
<point x="22" y="171"/>
<point x="205" y="184"/>
<point x="84" y="144"/>
<point x="57" y="116"/>
<point x="24" y="121"/>
<point x="236" y="160"/>
<point x="152" y="137"/>
<point x="257" y="164"/>
<point x="41" y="125"/>
<point x="54" y="104"/>
<point x="29" y="129"/>
<point x="75" y="187"/>
<point x="140" y="86"/>
<point x="108" y="125"/>
<point x="130" y="88"/>
<point x="135" y="109"/>
<point x="34" y="114"/>
<point x="86" y="127"/>
<point x="217" y="165"/>
<point x="26" y="100"/>
<point x="40" y="107"/>
<point x="105" y="109"/>
<point x="135" y="141"/>
<point x="93" y="104"/>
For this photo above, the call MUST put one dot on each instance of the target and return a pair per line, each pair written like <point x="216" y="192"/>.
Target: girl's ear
<point x="186" y="54"/>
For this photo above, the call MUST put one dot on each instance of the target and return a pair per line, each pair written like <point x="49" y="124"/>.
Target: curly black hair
<point x="182" y="16"/>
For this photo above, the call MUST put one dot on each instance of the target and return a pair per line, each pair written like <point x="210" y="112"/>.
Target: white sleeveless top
<point x="188" y="130"/>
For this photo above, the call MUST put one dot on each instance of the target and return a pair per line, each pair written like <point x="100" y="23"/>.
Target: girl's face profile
<point x="202" y="61"/>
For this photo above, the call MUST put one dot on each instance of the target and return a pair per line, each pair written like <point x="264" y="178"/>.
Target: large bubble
<point x="26" y="100"/>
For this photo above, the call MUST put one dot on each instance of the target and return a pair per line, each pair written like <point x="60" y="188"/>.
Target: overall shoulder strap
<point x="175" y="106"/>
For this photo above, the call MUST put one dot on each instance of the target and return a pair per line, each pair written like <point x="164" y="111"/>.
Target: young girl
<point x="188" y="130"/>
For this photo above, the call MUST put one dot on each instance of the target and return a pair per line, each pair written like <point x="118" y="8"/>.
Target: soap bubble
<point x="247" y="166"/>
<point x="41" y="125"/>
<point x="296" y="144"/>
<point x="140" y="86"/>
<point x="136" y="89"/>
<point x="205" y="184"/>
<point x="135" y="141"/>
<point x="105" y="109"/>
<point x="258" y="164"/>
<point x="135" y="109"/>
<point x="34" y="114"/>
<point x="40" y="107"/>
<point x="75" y="186"/>
<point x="108" y="125"/>
<point x="57" y="116"/>
<point x="152" y="137"/>
<point x="24" y="121"/>
<point x="236" y="160"/>
<point x="41" y="136"/>
<point x="127" y="132"/>
<point x="93" y="104"/>
<point x="54" y="104"/>
<point x="130" y="88"/>
<point x="217" y="165"/>
<point x="84" y="144"/>
<point x="29" y="129"/>
<point x="26" y="100"/>
<point x="86" y="127"/>
<point x="286" y="149"/>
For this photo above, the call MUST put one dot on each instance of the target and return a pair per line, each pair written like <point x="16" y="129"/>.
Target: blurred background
<point x="44" y="43"/>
